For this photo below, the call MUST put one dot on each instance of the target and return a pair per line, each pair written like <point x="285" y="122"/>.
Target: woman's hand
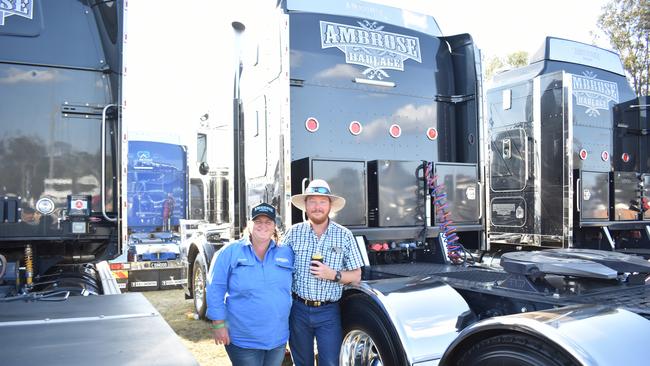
<point x="221" y="336"/>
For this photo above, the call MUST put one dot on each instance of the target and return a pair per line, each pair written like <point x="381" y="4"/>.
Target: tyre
<point x="198" y="286"/>
<point x="368" y="337"/>
<point x="513" y="349"/>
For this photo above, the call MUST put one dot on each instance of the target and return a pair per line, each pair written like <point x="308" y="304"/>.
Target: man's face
<point x="317" y="208"/>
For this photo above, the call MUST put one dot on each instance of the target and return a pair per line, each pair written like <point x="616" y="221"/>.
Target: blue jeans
<point x="322" y="322"/>
<point x="255" y="357"/>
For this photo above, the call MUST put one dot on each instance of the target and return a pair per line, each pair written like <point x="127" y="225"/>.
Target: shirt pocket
<point x="243" y="277"/>
<point x="281" y="274"/>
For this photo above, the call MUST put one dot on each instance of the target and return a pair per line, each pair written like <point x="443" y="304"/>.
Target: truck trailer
<point x="63" y="189"/>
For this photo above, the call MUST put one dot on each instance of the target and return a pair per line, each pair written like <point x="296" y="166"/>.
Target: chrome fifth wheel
<point x="358" y="349"/>
<point x="369" y="338"/>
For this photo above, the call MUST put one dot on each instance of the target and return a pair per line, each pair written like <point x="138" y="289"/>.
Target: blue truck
<point x="156" y="202"/>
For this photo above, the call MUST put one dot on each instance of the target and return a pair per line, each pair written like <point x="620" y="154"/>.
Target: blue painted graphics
<point x="157" y="183"/>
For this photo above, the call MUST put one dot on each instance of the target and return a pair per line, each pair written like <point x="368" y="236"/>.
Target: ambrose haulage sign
<point x="368" y="45"/>
<point x="594" y="93"/>
<point x="23" y="8"/>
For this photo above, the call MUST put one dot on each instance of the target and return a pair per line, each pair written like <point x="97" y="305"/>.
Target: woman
<point x="249" y="294"/>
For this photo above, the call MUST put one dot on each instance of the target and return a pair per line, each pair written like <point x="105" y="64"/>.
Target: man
<point x="318" y="284"/>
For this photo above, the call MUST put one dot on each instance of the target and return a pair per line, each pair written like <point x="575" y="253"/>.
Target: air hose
<point x="448" y="234"/>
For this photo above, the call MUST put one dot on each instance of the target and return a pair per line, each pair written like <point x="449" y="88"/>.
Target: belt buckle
<point x="316" y="303"/>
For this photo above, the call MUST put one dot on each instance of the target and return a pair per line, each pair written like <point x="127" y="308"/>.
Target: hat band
<point x="321" y="190"/>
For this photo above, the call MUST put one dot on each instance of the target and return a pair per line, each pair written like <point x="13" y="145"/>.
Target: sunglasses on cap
<point x="321" y="190"/>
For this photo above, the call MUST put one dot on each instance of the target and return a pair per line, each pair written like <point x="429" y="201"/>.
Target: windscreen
<point x="156" y="186"/>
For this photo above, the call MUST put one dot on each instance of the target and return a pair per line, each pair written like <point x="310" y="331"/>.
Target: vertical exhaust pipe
<point x="239" y="178"/>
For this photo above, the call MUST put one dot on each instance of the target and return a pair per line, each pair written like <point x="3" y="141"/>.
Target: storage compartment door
<point x="463" y="191"/>
<point x="346" y="179"/>
<point x="509" y="160"/>
<point x="626" y="196"/>
<point x="646" y="195"/>
<point x="593" y="195"/>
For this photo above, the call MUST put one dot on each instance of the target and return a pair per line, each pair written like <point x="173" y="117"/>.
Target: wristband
<point x="218" y="326"/>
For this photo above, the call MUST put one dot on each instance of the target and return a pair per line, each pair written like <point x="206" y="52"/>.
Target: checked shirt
<point x="339" y="250"/>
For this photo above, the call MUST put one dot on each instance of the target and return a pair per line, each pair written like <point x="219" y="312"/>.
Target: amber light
<point x="355" y="127"/>
<point x="395" y="130"/>
<point x="311" y="124"/>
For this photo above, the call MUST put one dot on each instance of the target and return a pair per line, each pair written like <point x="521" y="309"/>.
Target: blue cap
<point x="263" y="209"/>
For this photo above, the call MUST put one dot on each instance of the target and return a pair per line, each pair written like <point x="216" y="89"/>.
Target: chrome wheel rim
<point x="199" y="288"/>
<point x="358" y="349"/>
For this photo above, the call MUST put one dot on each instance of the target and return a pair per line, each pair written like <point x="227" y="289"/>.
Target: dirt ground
<point x="195" y="334"/>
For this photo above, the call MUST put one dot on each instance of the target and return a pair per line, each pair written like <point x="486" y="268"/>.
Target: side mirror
<point x="204" y="168"/>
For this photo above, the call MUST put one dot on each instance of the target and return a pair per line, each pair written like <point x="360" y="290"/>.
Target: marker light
<point x="625" y="157"/>
<point x="432" y="133"/>
<point x="395" y="130"/>
<point x="311" y="124"/>
<point x="355" y="127"/>
<point x="604" y="155"/>
<point x="583" y="154"/>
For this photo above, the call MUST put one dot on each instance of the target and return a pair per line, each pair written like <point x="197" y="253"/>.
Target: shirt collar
<point x="247" y="241"/>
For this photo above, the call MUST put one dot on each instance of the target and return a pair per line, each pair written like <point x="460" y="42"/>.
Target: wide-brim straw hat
<point x="318" y="187"/>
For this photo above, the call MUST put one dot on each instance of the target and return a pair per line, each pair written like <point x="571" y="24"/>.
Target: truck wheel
<point x="367" y="340"/>
<point x="513" y="349"/>
<point x="198" y="286"/>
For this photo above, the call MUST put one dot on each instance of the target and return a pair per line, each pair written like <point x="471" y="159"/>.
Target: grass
<point x="194" y="334"/>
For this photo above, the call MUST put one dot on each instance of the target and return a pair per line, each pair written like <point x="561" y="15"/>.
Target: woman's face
<point x="263" y="228"/>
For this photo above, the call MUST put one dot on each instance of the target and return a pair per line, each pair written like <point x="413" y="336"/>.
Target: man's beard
<point x="319" y="220"/>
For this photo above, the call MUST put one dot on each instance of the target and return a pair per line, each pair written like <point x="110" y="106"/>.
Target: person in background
<point x="249" y="294"/>
<point x="168" y="212"/>
<point x="326" y="258"/>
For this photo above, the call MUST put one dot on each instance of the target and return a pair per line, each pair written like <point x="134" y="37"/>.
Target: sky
<point x="181" y="63"/>
<point x="500" y="27"/>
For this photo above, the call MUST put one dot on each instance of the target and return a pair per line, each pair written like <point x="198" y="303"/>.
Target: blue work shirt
<point x="252" y="296"/>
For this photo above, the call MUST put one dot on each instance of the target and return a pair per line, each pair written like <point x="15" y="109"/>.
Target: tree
<point x="627" y="24"/>
<point x="511" y="61"/>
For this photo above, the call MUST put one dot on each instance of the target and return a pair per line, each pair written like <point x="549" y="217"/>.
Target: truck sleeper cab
<point x="566" y="153"/>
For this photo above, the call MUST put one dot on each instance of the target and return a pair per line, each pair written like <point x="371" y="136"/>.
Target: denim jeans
<point x="322" y="322"/>
<point x="255" y="357"/>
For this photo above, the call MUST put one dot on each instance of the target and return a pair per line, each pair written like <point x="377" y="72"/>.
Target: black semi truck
<point x="62" y="152"/>
<point x="568" y="153"/>
<point x="387" y="109"/>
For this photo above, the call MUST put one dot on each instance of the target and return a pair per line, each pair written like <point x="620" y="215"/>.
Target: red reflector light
<point x="583" y="154"/>
<point x="311" y="124"/>
<point x="115" y="266"/>
<point x="604" y="155"/>
<point x="395" y="130"/>
<point x="432" y="133"/>
<point x="625" y="157"/>
<point x="355" y="127"/>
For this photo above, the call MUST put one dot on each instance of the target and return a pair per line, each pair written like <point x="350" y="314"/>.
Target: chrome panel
<point x="593" y="335"/>
<point x="567" y="181"/>
<point x="424" y="312"/>
<point x="537" y="159"/>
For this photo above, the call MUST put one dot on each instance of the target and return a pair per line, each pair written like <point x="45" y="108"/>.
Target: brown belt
<point x="311" y="303"/>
